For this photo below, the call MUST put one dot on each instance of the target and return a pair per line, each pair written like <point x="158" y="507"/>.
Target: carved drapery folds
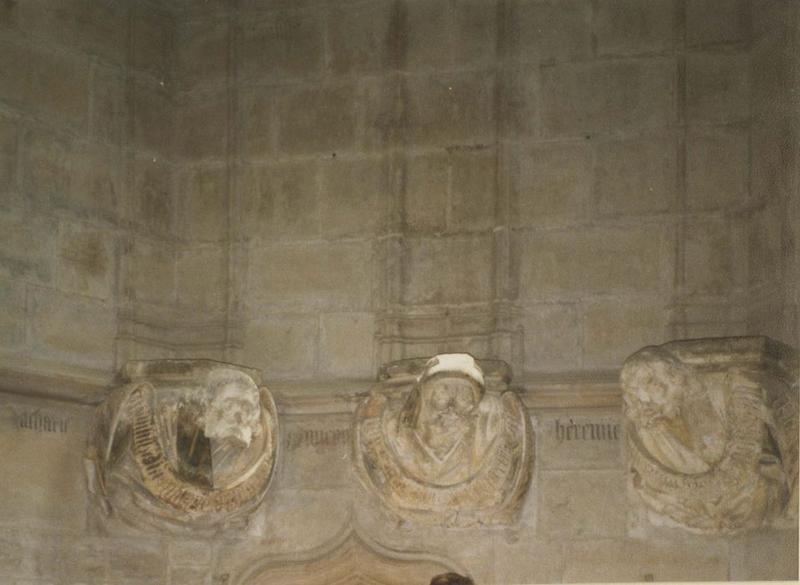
<point x="440" y="442"/>
<point x="712" y="432"/>
<point x="184" y="444"/>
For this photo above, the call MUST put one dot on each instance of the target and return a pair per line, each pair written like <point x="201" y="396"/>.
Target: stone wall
<point x="773" y="251"/>
<point x="316" y="188"/>
<point x="262" y="181"/>
<point x="85" y="195"/>
<point x="422" y="176"/>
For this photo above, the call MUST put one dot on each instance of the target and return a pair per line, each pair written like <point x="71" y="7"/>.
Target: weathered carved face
<point x="654" y="391"/>
<point x="234" y="412"/>
<point x="446" y="409"/>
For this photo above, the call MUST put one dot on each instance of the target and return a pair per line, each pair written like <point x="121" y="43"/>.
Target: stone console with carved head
<point x="440" y="447"/>
<point x="183" y="445"/>
<point x="712" y="433"/>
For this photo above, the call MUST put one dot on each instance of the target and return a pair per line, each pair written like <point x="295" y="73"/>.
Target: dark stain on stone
<point x="397" y="37"/>
<point x="87" y="253"/>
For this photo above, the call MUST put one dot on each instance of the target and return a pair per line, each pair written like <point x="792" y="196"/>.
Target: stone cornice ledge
<point x="596" y="389"/>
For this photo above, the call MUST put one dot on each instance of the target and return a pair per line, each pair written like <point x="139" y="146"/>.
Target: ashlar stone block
<point x="362" y="37"/>
<point x="347" y="344"/>
<point x="319" y="453"/>
<point x="12" y="314"/>
<point x="448" y="270"/>
<point x="629" y="27"/>
<point x="636" y="175"/>
<point x="715" y="22"/>
<point x="715" y="256"/>
<point x="528" y="561"/>
<point x="96" y="183"/>
<point x="316" y="120"/>
<point x="257" y="127"/>
<point x="607" y="96"/>
<point x="334" y="275"/>
<point x="43" y="488"/>
<point x="283" y="345"/>
<point x="717" y="169"/>
<point x="281" y="201"/>
<point x="107" y="114"/>
<point x="287" y="44"/>
<point x="153" y="118"/>
<point x="550" y="183"/>
<point x="580" y="440"/>
<point x="203" y="207"/>
<point x="202" y="279"/>
<point x="765" y="245"/>
<point x="355" y="197"/>
<point x="569" y="263"/>
<point x="86" y="260"/>
<point x="153" y="207"/>
<point x="61" y="173"/>
<point x="551" y="31"/>
<point x="201" y="129"/>
<point x="26" y="248"/>
<point x="425" y="198"/>
<point x="78" y="24"/>
<point x="581" y="504"/>
<point x="154" y="36"/>
<point x="55" y="336"/>
<point x="150" y="271"/>
<point x="473" y="188"/>
<point x="46" y="82"/>
<point x="612" y="329"/>
<point x="8" y="158"/>
<point x="765" y="556"/>
<point x="426" y="27"/>
<point x="201" y="53"/>
<point x="473" y="33"/>
<point x="717" y="87"/>
<point x="551" y="337"/>
<point x="452" y="109"/>
<point x="635" y="560"/>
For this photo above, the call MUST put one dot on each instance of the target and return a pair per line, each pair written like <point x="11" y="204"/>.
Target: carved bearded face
<point x="234" y="411"/>
<point x="447" y="404"/>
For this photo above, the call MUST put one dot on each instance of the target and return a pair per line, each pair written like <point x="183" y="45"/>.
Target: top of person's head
<point x="451" y="579"/>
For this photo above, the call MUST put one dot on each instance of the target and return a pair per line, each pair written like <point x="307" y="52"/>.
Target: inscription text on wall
<point x="35" y="420"/>
<point x="315" y="438"/>
<point x="568" y="430"/>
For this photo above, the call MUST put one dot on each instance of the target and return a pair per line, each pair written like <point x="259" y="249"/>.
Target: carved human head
<point x="234" y="409"/>
<point x="451" y="579"/>
<point x="655" y="385"/>
<point x="444" y="398"/>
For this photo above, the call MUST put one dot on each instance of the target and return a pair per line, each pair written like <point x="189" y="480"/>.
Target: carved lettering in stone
<point x="568" y="430"/>
<point x="712" y="432"/>
<point x="186" y="444"/>
<point x="445" y="450"/>
<point x="318" y="438"/>
<point x="42" y="422"/>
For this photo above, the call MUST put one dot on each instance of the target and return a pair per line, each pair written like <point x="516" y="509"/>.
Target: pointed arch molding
<point x="351" y="558"/>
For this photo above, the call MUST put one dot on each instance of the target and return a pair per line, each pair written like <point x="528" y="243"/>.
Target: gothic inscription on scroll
<point x="185" y="444"/>
<point x="712" y="432"/>
<point x="438" y="447"/>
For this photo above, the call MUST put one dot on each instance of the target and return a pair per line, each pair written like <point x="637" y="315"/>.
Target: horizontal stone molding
<point x="598" y="389"/>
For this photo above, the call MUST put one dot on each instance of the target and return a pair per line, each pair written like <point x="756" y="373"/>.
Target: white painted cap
<point x="455" y="363"/>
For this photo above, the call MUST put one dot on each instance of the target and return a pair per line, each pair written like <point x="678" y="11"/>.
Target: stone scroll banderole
<point x="436" y="446"/>
<point x="712" y="433"/>
<point x="183" y="445"/>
